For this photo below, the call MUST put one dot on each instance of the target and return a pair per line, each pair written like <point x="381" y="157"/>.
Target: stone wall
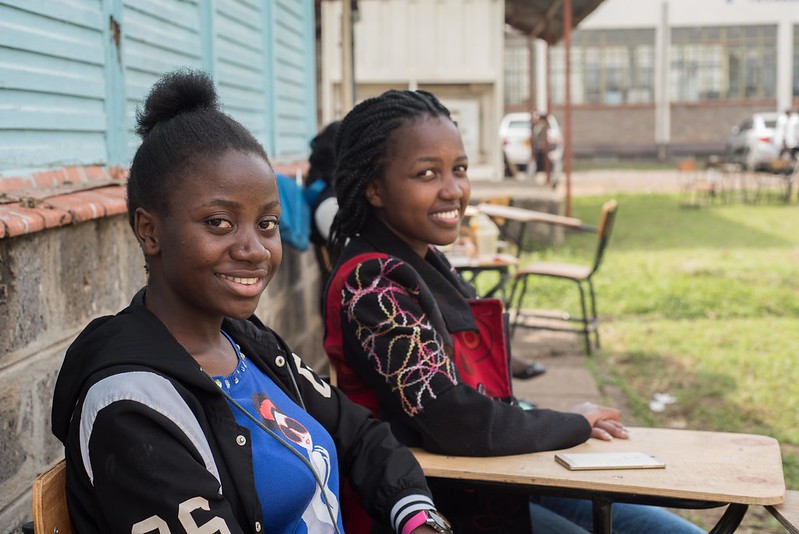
<point x="55" y="281"/>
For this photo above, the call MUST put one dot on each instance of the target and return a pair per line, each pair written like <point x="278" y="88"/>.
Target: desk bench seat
<point x="787" y="513"/>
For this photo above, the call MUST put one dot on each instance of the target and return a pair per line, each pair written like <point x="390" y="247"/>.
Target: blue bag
<point x="295" y="215"/>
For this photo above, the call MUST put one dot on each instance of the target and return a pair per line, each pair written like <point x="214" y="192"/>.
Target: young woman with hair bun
<point x="183" y="413"/>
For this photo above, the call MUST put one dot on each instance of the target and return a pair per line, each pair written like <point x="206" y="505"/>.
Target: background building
<point x="452" y="48"/>
<point x="663" y="76"/>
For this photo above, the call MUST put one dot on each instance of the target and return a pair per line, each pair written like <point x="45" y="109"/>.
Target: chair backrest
<point x="50" y="514"/>
<point x="603" y="231"/>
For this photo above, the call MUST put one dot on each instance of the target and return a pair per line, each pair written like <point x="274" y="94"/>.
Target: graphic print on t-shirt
<point x="316" y="516"/>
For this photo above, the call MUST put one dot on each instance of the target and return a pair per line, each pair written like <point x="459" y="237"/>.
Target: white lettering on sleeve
<point x="322" y="387"/>
<point x="216" y="525"/>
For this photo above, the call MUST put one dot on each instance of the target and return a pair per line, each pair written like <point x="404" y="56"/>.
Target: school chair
<point x="696" y="189"/>
<point x="581" y="275"/>
<point x="50" y="514"/>
<point x="787" y="513"/>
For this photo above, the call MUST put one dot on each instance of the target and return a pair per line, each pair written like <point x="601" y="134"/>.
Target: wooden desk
<point x="471" y="268"/>
<point x="524" y="216"/>
<point x="703" y="469"/>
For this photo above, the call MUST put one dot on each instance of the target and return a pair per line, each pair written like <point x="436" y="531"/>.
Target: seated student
<point x="400" y="326"/>
<point x="321" y="164"/>
<point x="179" y="414"/>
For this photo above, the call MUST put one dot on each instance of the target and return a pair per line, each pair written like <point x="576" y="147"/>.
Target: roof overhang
<point x="543" y="19"/>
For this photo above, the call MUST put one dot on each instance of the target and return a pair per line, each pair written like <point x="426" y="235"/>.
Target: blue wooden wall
<point x="72" y="72"/>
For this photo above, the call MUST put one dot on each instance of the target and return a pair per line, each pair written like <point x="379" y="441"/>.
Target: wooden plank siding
<point x="52" y="88"/>
<point x="73" y="72"/>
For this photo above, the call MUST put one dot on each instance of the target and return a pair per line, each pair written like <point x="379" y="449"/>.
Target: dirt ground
<point x="617" y="181"/>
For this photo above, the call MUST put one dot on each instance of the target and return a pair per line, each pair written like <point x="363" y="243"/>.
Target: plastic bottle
<point x="486" y="235"/>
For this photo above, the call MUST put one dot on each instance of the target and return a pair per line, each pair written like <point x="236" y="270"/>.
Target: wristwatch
<point x="431" y="518"/>
<point x="438" y="522"/>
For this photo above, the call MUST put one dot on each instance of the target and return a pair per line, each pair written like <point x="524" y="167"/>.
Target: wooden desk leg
<point x="602" y="515"/>
<point x="520" y="238"/>
<point x="731" y="519"/>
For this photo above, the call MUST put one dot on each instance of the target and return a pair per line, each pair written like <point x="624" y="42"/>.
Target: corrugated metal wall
<point x="72" y="72"/>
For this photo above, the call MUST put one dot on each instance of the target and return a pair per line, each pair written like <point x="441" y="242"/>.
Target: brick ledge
<point x="18" y="218"/>
<point x="54" y="198"/>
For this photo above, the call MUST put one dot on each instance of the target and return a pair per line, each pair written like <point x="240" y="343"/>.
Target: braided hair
<point x="361" y="147"/>
<point x="180" y="123"/>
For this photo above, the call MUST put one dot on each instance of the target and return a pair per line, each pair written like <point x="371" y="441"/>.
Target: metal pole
<point x="567" y="130"/>
<point x="347" y="76"/>
<point x="662" y="96"/>
<point x="531" y="99"/>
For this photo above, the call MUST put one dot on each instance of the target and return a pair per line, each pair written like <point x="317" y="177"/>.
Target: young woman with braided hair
<point x="401" y="324"/>
<point x="183" y="413"/>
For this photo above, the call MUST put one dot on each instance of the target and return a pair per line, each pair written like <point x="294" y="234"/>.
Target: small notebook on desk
<point x="578" y="461"/>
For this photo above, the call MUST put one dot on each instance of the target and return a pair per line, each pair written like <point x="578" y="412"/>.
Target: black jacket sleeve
<point x="390" y="342"/>
<point x="147" y="473"/>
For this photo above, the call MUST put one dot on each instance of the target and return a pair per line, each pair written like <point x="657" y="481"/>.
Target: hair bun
<point x="176" y="93"/>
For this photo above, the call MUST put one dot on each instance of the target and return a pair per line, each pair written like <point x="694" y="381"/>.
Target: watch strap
<point x="416" y="520"/>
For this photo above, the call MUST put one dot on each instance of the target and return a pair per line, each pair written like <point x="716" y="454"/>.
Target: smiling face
<point x="218" y="246"/>
<point x="424" y="189"/>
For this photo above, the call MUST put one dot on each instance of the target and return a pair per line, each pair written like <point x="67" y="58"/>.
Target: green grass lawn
<point x="700" y="303"/>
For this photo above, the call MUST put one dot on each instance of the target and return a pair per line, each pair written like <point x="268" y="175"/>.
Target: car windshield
<point x="519" y="125"/>
<point x="771" y="124"/>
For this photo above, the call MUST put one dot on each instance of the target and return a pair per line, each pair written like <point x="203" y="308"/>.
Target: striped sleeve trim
<point x="153" y="391"/>
<point x="407" y="507"/>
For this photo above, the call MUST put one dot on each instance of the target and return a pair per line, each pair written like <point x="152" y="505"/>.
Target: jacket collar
<point x="449" y="289"/>
<point x="136" y="338"/>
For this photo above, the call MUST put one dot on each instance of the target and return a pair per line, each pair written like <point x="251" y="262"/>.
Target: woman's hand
<point x="605" y="422"/>
<point x="424" y="529"/>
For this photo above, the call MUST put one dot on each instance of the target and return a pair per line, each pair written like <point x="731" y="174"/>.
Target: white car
<point x="751" y="143"/>
<point x="514" y="134"/>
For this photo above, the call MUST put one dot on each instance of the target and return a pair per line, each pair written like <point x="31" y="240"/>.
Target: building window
<point x="723" y="63"/>
<point x="610" y="67"/>
<point x="517" y="68"/>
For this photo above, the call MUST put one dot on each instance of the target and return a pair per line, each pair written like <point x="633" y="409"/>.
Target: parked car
<point x="751" y="143"/>
<point x="514" y="133"/>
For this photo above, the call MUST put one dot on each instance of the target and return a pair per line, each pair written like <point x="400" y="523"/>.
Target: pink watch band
<point x="417" y="519"/>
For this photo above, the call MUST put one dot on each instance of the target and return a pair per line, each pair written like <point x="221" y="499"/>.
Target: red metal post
<point x="531" y="96"/>
<point x="567" y="130"/>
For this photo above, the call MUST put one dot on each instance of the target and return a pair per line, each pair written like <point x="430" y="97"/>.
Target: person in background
<point x="785" y="134"/>
<point x="321" y="165"/>
<point x="183" y="413"/>
<point x="406" y="338"/>
<point x="790" y="139"/>
<point x="540" y="141"/>
<point x="323" y="208"/>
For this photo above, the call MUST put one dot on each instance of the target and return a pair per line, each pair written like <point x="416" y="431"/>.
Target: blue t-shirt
<point x="290" y="499"/>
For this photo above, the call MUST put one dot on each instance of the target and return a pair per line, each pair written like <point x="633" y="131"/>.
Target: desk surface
<point x="524" y="215"/>
<point x="495" y="262"/>
<point x="706" y="466"/>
